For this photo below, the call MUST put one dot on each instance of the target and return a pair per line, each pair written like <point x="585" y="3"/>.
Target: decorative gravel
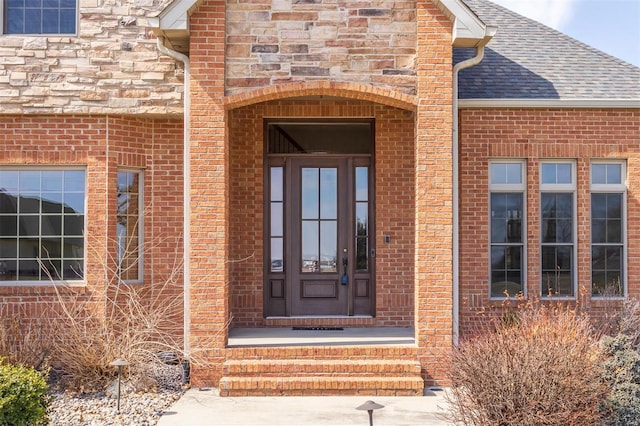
<point x="136" y="408"/>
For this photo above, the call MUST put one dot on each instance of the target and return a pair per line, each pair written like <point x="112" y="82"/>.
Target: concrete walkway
<point x="206" y="408"/>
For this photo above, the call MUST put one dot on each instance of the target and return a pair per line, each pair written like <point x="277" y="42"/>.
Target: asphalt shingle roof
<point x="528" y="60"/>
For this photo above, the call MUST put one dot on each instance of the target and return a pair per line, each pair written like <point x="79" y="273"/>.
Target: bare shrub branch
<point x="542" y="366"/>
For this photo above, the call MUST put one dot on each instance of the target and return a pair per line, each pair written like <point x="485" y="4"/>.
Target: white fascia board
<point x="549" y="103"/>
<point x="467" y="27"/>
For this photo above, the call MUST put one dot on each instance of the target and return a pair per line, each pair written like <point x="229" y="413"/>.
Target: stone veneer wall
<point x="112" y="66"/>
<point x="283" y="41"/>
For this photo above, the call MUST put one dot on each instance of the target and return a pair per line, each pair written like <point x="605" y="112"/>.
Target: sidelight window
<point x="557" y="228"/>
<point x="507" y="212"/>
<point x="608" y="190"/>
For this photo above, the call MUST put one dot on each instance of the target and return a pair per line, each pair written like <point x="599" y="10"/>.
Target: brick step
<point x="324" y="352"/>
<point x="320" y="367"/>
<point x="320" y="322"/>
<point x="321" y="385"/>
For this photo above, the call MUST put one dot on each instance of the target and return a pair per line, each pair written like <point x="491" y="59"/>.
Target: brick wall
<point x="534" y="135"/>
<point x="282" y="41"/>
<point x="102" y="145"/>
<point x="209" y="197"/>
<point x="394" y="171"/>
<point x="111" y="66"/>
<point x="433" y="203"/>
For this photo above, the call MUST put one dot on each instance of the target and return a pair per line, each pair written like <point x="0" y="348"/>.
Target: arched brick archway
<point x="324" y="88"/>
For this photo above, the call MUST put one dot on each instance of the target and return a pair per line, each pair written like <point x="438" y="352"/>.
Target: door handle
<point x="345" y="277"/>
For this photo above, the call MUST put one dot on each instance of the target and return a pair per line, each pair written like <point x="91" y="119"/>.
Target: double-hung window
<point x="42" y="216"/>
<point x="608" y="189"/>
<point x="557" y="228"/>
<point x="129" y="225"/>
<point x="507" y="213"/>
<point x="39" y="17"/>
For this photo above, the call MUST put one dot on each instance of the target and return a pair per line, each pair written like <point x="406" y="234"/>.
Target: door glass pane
<point x="328" y="245"/>
<point x="362" y="260"/>
<point x="277" y="258"/>
<point x="362" y="183"/>
<point x="276" y="220"/>
<point x="310" y="193"/>
<point x="310" y="246"/>
<point x="361" y="219"/>
<point x="328" y="193"/>
<point x="277" y="182"/>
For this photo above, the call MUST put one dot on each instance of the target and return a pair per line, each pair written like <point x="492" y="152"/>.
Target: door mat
<point x="317" y="328"/>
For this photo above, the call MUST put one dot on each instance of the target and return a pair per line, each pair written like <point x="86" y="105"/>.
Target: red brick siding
<point x="581" y="135"/>
<point x="102" y="145"/>
<point x="433" y="208"/>
<point x="209" y="195"/>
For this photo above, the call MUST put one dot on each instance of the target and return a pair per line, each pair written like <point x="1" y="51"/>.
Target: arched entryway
<point x="322" y="221"/>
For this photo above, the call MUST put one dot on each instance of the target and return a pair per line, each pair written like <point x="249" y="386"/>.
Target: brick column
<point x="209" y="195"/>
<point x="434" y="219"/>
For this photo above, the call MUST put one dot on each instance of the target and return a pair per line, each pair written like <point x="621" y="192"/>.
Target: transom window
<point x="608" y="193"/>
<point x="39" y="16"/>
<point x="42" y="216"/>
<point x="557" y="233"/>
<point x="507" y="219"/>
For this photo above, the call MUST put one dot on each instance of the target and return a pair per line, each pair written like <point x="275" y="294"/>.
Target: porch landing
<point x="320" y="336"/>
<point x="352" y="361"/>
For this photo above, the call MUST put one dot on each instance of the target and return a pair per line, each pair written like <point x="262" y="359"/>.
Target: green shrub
<point x="622" y="372"/>
<point x="542" y="367"/>
<point x="24" y="396"/>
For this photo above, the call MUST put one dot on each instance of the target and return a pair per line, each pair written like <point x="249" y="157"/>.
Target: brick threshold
<point x="321" y="321"/>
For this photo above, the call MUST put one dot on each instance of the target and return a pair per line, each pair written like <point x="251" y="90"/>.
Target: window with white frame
<point x="36" y="17"/>
<point x="608" y="189"/>
<point x="507" y="213"/>
<point x="557" y="228"/>
<point x="129" y="225"/>
<point x="42" y="216"/>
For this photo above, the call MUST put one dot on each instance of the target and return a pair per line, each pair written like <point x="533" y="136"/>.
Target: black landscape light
<point x="119" y="363"/>
<point x="369" y="406"/>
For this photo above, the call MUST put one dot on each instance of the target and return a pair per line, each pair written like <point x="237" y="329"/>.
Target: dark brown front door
<point x="319" y="247"/>
<point x="319" y="235"/>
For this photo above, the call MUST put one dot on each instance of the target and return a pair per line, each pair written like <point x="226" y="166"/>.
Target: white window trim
<point x="561" y="188"/>
<point x="612" y="189"/>
<point x="51" y="283"/>
<point x="497" y="188"/>
<point x="140" y="173"/>
<point x="74" y="34"/>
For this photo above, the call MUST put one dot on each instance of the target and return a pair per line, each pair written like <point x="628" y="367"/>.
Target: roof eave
<point x="468" y="29"/>
<point x="173" y="24"/>
<point x="549" y="103"/>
